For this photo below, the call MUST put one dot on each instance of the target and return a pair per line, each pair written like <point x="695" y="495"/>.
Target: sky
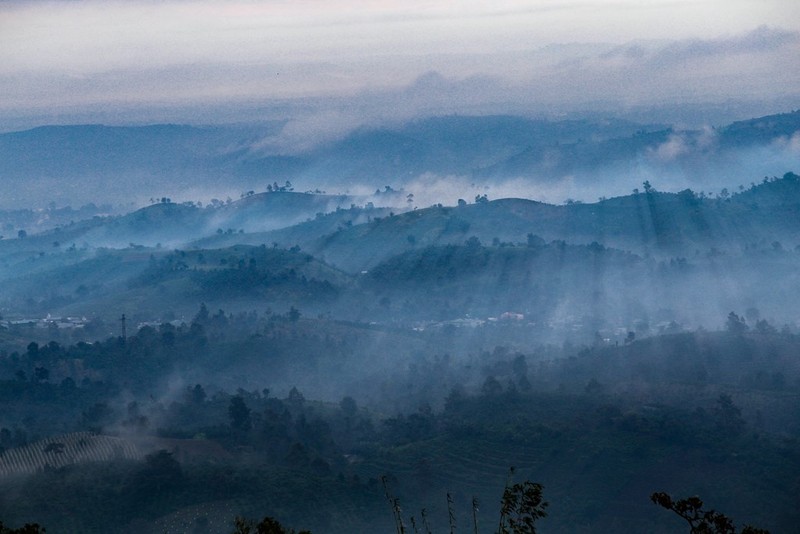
<point x="351" y="61"/>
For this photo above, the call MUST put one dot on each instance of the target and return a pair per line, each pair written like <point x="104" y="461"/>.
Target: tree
<point x="268" y="525"/>
<point x="535" y="241"/>
<point x="491" y="387"/>
<point x="197" y="394"/>
<point x="239" y="414"/>
<point x="161" y="474"/>
<point x="473" y="242"/>
<point x="701" y="521"/>
<point x="519" y="365"/>
<point x="764" y="328"/>
<point x="96" y="417"/>
<point x="41" y="374"/>
<point x="735" y="324"/>
<point x="202" y="315"/>
<point x="728" y="417"/>
<point x="521" y="506"/>
<point x="295" y="398"/>
<point x="348" y="406"/>
<point x="29" y="528"/>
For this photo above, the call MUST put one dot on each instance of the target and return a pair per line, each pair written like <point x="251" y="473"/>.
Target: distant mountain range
<point x="92" y="163"/>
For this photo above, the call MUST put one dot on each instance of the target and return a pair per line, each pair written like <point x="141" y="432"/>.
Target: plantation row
<point x="63" y="450"/>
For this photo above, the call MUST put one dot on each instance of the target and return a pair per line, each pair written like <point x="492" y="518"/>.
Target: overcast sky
<point x="78" y="59"/>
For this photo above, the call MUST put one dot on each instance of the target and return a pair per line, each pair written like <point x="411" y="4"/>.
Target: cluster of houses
<point x="47" y="322"/>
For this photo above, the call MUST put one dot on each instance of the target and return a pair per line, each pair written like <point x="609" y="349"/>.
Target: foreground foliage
<point x="28" y="528"/>
<point x="701" y="521"/>
<point x="268" y="525"/>
<point x="595" y="424"/>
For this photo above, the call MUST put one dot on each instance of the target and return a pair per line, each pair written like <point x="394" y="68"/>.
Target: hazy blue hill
<point x="367" y="155"/>
<point x="763" y="129"/>
<point x="773" y="193"/>
<point x="701" y="151"/>
<point x="481" y="259"/>
<point x="552" y="160"/>
<point x="362" y="246"/>
<point x="95" y="163"/>
<point x="664" y="224"/>
<point x="178" y="224"/>
<point x="269" y="211"/>
<point x="50" y="284"/>
<point x="511" y="130"/>
<point x="172" y="224"/>
<point x="440" y="262"/>
<point x="47" y="250"/>
<point x="167" y="223"/>
<point x="447" y="145"/>
<point x="539" y="281"/>
<point x="302" y="234"/>
<point x="85" y="163"/>
<point x="258" y="276"/>
<point x="90" y="149"/>
<point x="41" y="219"/>
<point x="506" y="146"/>
<point x="629" y="225"/>
<point x="150" y="281"/>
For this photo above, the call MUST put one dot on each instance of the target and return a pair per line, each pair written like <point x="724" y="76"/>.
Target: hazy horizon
<point x="327" y="68"/>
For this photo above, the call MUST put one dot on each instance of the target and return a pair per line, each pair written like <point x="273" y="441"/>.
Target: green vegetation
<point x="268" y="525"/>
<point x="701" y="521"/>
<point x="597" y="425"/>
<point x="605" y="350"/>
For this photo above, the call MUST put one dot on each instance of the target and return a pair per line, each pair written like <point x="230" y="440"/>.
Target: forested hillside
<point x="299" y="355"/>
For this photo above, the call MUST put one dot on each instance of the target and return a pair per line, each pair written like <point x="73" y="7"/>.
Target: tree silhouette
<point x="522" y="504"/>
<point x="728" y="417"/>
<point x="701" y="521"/>
<point x="268" y="525"/>
<point x="239" y="414"/>
<point x="735" y="324"/>
<point x="28" y="528"/>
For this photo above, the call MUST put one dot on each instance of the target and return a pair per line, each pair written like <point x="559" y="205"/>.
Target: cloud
<point x="788" y="144"/>
<point x="759" y="41"/>
<point x="325" y="66"/>
<point x="758" y="64"/>
<point x="682" y="144"/>
<point x="671" y="149"/>
<point x="305" y="132"/>
<point x="630" y="51"/>
<point x="763" y="41"/>
<point x="429" y="189"/>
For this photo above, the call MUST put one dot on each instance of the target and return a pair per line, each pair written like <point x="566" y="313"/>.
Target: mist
<point x="359" y="267"/>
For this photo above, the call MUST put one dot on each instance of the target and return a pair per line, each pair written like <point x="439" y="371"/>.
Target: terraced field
<point x="64" y="450"/>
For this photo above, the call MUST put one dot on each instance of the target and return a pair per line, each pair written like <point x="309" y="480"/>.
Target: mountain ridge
<point x="170" y="160"/>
